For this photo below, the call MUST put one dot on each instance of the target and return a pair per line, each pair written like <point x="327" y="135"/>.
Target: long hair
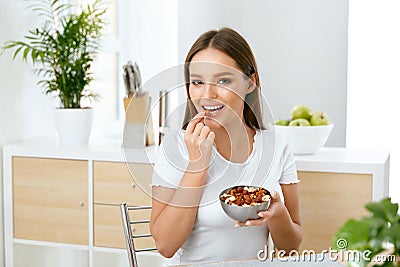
<point x="234" y="45"/>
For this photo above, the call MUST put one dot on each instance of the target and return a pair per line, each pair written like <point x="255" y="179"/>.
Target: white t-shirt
<point x="214" y="237"/>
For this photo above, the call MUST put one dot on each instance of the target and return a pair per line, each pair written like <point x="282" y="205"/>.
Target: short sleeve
<point x="289" y="171"/>
<point x="171" y="161"/>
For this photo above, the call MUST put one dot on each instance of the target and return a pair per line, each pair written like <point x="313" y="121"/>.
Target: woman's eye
<point x="224" y="81"/>
<point x="197" y="82"/>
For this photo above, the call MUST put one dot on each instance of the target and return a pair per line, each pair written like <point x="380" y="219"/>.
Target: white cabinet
<point x="50" y="199"/>
<point x="335" y="184"/>
<point x="61" y="204"/>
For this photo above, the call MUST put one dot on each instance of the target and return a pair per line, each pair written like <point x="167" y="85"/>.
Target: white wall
<point x="149" y="31"/>
<point x="196" y="17"/>
<point x="24" y="111"/>
<point x="300" y="47"/>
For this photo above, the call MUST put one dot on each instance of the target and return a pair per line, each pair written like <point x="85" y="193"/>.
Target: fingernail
<point x="260" y="214"/>
<point x="237" y="225"/>
<point x="248" y="223"/>
<point x="201" y="113"/>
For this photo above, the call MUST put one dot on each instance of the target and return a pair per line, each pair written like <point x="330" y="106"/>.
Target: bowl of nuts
<point x="242" y="203"/>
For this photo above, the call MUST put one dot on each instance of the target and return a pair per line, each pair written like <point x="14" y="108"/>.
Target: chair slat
<point x="140" y="221"/>
<point x="139" y="207"/>
<point x="129" y="236"/>
<point x="146" y="249"/>
<point x="140" y="236"/>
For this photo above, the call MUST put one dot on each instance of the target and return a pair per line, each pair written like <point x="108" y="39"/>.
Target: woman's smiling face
<point x="218" y="85"/>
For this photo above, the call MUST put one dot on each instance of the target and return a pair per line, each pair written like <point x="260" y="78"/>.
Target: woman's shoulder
<point x="173" y="136"/>
<point x="271" y="137"/>
<point x="171" y="160"/>
<point x="173" y="140"/>
<point x="275" y="140"/>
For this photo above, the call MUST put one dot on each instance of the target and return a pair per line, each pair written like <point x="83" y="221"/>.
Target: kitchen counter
<point x="328" y="159"/>
<point x="337" y="158"/>
<point x="343" y="160"/>
<point x="95" y="179"/>
<point x="105" y="149"/>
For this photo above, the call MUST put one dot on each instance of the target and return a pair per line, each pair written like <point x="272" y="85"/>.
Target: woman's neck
<point x="235" y="143"/>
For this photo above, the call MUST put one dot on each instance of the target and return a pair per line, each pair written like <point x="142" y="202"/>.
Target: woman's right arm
<point x="171" y="222"/>
<point x="174" y="210"/>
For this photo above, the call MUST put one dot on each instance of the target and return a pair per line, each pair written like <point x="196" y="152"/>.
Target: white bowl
<point x="305" y="139"/>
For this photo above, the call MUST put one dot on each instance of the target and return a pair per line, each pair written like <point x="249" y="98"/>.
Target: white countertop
<point x="107" y="149"/>
<point x="340" y="159"/>
<point x="337" y="159"/>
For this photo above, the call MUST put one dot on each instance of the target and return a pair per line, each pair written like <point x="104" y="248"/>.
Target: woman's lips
<point x="213" y="111"/>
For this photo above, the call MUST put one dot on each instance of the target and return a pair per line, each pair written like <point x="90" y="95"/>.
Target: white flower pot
<point x="74" y="125"/>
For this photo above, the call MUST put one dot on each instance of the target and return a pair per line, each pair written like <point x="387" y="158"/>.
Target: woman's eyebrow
<point x="225" y="73"/>
<point x="219" y="74"/>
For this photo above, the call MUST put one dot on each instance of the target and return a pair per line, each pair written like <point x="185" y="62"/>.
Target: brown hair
<point x="234" y="45"/>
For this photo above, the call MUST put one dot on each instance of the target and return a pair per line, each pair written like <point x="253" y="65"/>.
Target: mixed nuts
<point x="245" y="196"/>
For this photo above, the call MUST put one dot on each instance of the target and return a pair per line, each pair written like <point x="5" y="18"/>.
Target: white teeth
<point x="212" y="107"/>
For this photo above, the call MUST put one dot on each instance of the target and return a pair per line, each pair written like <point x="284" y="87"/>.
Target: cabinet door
<point x="114" y="183"/>
<point x="327" y="201"/>
<point x="108" y="231"/>
<point x="50" y="200"/>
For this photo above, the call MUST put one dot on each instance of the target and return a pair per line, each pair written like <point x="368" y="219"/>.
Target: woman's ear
<point x="252" y="83"/>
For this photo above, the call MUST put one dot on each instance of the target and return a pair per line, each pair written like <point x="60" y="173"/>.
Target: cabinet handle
<point x="133" y="185"/>
<point x="81" y="203"/>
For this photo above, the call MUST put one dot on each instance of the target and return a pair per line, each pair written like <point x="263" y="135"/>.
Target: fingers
<point x="275" y="196"/>
<point x="207" y="137"/>
<point x="257" y="222"/>
<point x="211" y="136"/>
<point x="199" y="140"/>
<point x="205" y="131"/>
<point x="240" y="224"/>
<point x="265" y="215"/>
<point x="197" y="127"/>
<point x="193" y="122"/>
<point x="273" y="210"/>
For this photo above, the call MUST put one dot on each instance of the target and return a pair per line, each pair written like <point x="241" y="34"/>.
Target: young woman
<point x="222" y="143"/>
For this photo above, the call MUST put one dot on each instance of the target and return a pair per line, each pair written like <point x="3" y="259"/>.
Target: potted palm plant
<point x="62" y="50"/>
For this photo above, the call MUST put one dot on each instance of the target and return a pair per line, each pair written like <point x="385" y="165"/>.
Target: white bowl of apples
<point x="307" y="131"/>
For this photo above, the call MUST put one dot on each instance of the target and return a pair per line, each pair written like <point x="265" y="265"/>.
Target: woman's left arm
<point x="283" y="219"/>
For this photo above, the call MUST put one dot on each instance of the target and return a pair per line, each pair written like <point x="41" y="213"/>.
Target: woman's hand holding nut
<point x="199" y="140"/>
<point x="276" y="209"/>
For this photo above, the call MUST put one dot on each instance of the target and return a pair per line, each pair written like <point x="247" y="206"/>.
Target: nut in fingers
<point x="207" y="113"/>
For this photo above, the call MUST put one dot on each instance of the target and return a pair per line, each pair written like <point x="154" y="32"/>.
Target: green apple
<point x="299" y="122"/>
<point x="301" y="112"/>
<point x="319" y="118"/>
<point x="282" y="122"/>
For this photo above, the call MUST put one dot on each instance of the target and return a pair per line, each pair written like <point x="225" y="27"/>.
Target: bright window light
<point x="374" y="81"/>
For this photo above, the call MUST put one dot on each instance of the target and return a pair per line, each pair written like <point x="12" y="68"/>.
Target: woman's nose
<point x="210" y="90"/>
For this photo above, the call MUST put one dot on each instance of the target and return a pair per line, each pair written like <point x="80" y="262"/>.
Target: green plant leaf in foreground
<point x="378" y="233"/>
<point x="384" y="209"/>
